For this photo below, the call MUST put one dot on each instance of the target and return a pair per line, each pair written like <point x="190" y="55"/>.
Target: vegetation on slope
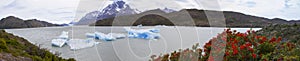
<point x="249" y="46"/>
<point x="14" y="48"/>
<point x="287" y="32"/>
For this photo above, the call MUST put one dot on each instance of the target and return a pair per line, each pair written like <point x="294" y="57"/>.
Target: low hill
<point x="11" y="22"/>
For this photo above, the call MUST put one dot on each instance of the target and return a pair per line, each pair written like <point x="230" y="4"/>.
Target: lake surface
<point x="127" y="49"/>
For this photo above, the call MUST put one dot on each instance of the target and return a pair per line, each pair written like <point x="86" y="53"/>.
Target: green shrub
<point x="3" y="46"/>
<point x="265" y="48"/>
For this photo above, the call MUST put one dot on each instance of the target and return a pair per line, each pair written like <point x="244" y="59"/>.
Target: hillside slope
<point x="14" y="22"/>
<point x="14" y="48"/>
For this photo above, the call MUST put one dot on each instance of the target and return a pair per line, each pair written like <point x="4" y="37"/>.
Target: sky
<point x="65" y="11"/>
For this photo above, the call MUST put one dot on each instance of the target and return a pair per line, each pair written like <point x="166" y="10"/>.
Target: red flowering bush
<point x="233" y="45"/>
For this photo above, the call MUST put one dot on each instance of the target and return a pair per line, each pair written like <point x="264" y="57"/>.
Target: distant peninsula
<point x="12" y="22"/>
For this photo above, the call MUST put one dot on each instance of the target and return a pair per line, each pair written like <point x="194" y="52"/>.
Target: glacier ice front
<point x="105" y="37"/>
<point x="149" y="34"/>
<point x="76" y="44"/>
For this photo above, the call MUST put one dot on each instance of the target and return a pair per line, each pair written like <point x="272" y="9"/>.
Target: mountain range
<point x="194" y="17"/>
<point x="14" y="22"/>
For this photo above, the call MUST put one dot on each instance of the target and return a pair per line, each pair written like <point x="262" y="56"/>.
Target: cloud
<point x="64" y="11"/>
<point x="54" y="11"/>
<point x="264" y="8"/>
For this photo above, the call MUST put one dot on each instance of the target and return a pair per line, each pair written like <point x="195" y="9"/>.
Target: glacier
<point x="148" y="34"/>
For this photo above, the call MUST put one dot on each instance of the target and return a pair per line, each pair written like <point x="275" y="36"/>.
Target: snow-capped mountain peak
<point x="117" y="8"/>
<point x="167" y="10"/>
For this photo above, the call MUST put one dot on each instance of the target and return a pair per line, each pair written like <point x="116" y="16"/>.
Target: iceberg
<point x="140" y="25"/>
<point x="102" y="36"/>
<point x="90" y="35"/>
<point x="61" y="40"/>
<point x="58" y="42"/>
<point x="164" y="26"/>
<point x="154" y="30"/>
<point x="117" y="35"/>
<point x="76" y="44"/>
<point x="64" y="35"/>
<point x="149" y="34"/>
<point x="105" y="37"/>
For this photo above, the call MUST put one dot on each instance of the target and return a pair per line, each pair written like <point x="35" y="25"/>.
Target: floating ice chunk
<point x="117" y="35"/>
<point x="105" y="37"/>
<point x="76" y="44"/>
<point x="161" y="26"/>
<point x="143" y="33"/>
<point x="58" y="42"/>
<point x="154" y="30"/>
<point x="64" y="35"/>
<point x="102" y="36"/>
<point x="90" y="35"/>
<point x="61" y="40"/>
<point x="140" y="25"/>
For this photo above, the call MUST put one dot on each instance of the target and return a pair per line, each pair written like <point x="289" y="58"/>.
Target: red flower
<point x="231" y="39"/>
<point x="253" y="55"/>
<point x="279" y="39"/>
<point x="227" y="53"/>
<point x="248" y="31"/>
<point x="273" y="40"/>
<point x="263" y="39"/>
<point x="242" y="47"/>
<point x="235" y="41"/>
<point x="235" y="50"/>
<point x="207" y="44"/>
<point x="239" y="34"/>
<point x="257" y="37"/>
<point x="250" y="49"/>
<point x="253" y="31"/>
<point x="248" y="44"/>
